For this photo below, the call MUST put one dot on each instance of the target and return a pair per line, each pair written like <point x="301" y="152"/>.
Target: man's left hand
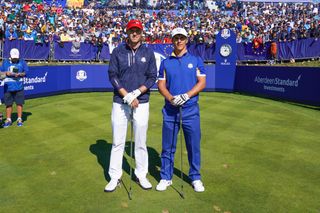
<point x="179" y="100"/>
<point x="136" y="93"/>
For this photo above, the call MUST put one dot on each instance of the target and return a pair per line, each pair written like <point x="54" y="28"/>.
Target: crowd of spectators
<point x="151" y="4"/>
<point x="253" y="22"/>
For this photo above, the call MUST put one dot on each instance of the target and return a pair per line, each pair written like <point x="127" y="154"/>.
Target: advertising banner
<point x="45" y="80"/>
<point x="295" y="84"/>
<point x="1" y="90"/>
<point x="28" y="49"/>
<point x="89" y="77"/>
<point x="225" y="60"/>
<point x="74" y="51"/>
<point x="205" y="51"/>
<point x="279" y="1"/>
<point x="286" y="83"/>
<point x="303" y="48"/>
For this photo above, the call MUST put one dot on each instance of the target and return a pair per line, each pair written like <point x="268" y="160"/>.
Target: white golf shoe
<point x="198" y="186"/>
<point x="144" y="183"/>
<point x="163" y="185"/>
<point x="112" y="185"/>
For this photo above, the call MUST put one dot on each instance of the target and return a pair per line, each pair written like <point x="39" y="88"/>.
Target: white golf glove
<point x="128" y="98"/>
<point x="179" y="100"/>
<point x="2" y="75"/>
<point x="136" y="93"/>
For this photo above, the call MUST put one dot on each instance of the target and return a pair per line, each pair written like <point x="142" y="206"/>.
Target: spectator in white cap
<point x="15" y="69"/>
<point x="181" y="78"/>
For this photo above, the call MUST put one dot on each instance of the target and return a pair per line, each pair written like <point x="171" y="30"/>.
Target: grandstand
<point x="259" y="155"/>
<point x="49" y="25"/>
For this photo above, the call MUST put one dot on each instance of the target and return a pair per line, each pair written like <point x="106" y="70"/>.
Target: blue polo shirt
<point x="11" y="83"/>
<point x="181" y="74"/>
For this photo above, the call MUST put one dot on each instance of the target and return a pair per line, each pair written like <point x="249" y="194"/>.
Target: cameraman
<point x="15" y="70"/>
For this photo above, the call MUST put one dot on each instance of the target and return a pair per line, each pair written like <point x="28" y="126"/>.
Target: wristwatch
<point x="225" y="50"/>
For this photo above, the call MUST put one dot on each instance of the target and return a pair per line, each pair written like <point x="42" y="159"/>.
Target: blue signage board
<point x="225" y="54"/>
<point x="50" y="80"/>
<point x="42" y="80"/>
<point x="210" y="76"/>
<point x="89" y="77"/>
<point x="298" y="84"/>
<point x="1" y="91"/>
<point x="286" y="83"/>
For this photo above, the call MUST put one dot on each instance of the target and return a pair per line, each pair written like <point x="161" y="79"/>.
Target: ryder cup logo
<point x="225" y="33"/>
<point x="81" y="75"/>
<point x="75" y="47"/>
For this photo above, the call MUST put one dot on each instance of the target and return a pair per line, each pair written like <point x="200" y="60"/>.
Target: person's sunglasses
<point x="137" y="31"/>
<point x="179" y="37"/>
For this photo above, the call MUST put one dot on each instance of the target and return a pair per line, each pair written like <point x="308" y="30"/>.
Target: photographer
<point x="15" y="70"/>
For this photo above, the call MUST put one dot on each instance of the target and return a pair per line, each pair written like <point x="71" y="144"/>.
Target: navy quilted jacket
<point x="130" y="70"/>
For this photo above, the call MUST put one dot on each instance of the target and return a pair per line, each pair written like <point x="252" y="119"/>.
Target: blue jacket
<point x="11" y="83"/>
<point x="130" y="70"/>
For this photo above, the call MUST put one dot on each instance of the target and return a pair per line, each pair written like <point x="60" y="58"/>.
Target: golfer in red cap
<point x="132" y="72"/>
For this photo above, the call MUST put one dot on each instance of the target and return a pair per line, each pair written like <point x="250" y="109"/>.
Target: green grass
<point x="258" y="155"/>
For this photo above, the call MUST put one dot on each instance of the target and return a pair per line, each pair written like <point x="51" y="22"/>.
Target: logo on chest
<point x="190" y="66"/>
<point x="143" y="60"/>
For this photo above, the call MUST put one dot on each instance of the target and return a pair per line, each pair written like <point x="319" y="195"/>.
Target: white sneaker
<point x="198" y="186"/>
<point x="112" y="185"/>
<point x="144" y="183"/>
<point x="163" y="184"/>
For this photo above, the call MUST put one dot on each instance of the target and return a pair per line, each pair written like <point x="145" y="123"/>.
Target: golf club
<point x="131" y="152"/>
<point x="181" y="159"/>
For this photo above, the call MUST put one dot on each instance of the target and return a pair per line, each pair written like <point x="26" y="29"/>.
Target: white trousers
<point x="121" y="115"/>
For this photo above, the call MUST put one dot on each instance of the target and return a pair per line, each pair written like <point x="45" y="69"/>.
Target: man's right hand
<point x="179" y="100"/>
<point x="128" y="98"/>
<point x="2" y="75"/>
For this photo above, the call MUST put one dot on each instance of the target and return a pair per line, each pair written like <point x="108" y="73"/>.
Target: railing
<point x="69" y="51"/>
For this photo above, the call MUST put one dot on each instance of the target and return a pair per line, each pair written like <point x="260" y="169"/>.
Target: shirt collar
<point x="174" y="55"/>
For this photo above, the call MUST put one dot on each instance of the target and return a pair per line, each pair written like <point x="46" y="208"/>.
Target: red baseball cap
<point x="134" y="23"/>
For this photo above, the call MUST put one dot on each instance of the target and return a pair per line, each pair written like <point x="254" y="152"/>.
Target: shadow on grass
<point x="154" y="161"/>
<point x="25" y="116"/>
<point x="155" y="164"/>
<point x="102" y="149"/>
<point x="14" y="117"/>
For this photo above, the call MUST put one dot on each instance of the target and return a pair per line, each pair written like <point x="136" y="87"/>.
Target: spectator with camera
<point x="15" y="70"/>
